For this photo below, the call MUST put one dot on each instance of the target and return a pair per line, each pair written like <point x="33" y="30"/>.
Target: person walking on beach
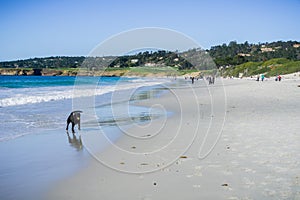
<point x="262" y="77"/>
<point x="279" y="78"/>
<point x="257" y="78"/>
<point x="209" y="80"/>
<point x="193" y="79"/>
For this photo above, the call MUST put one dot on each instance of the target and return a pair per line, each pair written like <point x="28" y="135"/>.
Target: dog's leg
<point x="73" y="124"/>
<point x="67" y="128"/>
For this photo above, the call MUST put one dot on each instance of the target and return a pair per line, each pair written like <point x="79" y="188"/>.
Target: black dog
<point x="74" y="118"/>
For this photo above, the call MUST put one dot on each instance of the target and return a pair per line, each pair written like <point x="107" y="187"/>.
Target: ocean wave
<point x="11" y="137"/>
<point x="47" y="94"/>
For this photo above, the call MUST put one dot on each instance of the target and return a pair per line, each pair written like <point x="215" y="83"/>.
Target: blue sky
<point x="32" y="28"/>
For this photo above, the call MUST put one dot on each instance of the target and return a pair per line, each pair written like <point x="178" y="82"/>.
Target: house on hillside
<point x="296" y="45"/>
<point x="266" y="49"/>
<point x="133" y="61"/>
<point x="244" y="54"/>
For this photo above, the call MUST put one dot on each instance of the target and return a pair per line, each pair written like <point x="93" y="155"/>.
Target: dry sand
<point x="255" y="126"/>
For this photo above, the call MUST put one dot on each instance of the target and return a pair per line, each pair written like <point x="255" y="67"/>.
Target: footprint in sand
<point x="227" y="173"/>
<point x="233" y="198"/>
<point x="197" y="171"/>
<point x="248" y="170"/>
<point x="196" y="186"/>
<point x="269" y="192"/>
<point x="248" y="183"/>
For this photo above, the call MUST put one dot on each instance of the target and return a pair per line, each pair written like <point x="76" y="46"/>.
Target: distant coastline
<point x="107" y="73"/>
<point x="162" y="71"/>
<point x="232" y="60"/>
<point x="35" y="72"/>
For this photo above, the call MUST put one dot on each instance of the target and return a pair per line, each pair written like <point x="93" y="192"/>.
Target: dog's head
<point x="76" y="115"/>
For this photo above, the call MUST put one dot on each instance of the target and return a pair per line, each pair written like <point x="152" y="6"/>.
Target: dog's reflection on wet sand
<point x="75" y="142"/>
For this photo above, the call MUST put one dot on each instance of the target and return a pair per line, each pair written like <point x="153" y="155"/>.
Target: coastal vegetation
<point x="270" y="67"/>
<point x="232" y="60"/>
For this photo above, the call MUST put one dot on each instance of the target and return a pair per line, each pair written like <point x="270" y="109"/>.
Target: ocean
<point x="31" y="104"/>
<point x="35" y="150"/>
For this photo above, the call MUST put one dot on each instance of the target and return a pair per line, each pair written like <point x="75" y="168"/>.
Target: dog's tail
<point x="76" y="111"/>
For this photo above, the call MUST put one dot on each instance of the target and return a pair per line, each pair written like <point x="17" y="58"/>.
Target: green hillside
<point x="271" y="67"/>
<point x="232" y="59"/>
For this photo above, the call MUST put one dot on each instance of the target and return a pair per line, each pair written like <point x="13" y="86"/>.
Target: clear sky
<point x="38" y="28"/>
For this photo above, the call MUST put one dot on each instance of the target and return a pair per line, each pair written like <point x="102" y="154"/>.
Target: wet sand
<point x="31" y="164"/>
<point x="237" y="141"/>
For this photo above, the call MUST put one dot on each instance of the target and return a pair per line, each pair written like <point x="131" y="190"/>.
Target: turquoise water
<point x="54" y="81"/>
<point x="32" y="103"/>
<point x="35" y="81"/>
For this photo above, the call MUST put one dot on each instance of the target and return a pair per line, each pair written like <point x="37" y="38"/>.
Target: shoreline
<point x="245" y="163"/>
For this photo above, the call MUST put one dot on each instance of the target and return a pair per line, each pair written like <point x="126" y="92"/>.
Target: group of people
<point x="210" y="79"/>
<point x="262" y="77"/>
<point x="193" y="79"/>
<point x="278" y="78"/>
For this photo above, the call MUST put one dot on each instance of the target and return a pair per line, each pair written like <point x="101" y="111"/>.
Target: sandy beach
<point x="237" y="139"/>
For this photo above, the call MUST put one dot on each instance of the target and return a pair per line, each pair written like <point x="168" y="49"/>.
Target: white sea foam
<point x="46" y="94"/>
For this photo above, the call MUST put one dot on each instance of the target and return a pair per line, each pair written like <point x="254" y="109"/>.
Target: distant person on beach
<point x="279" y="78"/>
<point x="193" y="79"/>
<point x="257" y="78"/>
<point x="262" y="77"/>
<point x="209" y="80"/>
